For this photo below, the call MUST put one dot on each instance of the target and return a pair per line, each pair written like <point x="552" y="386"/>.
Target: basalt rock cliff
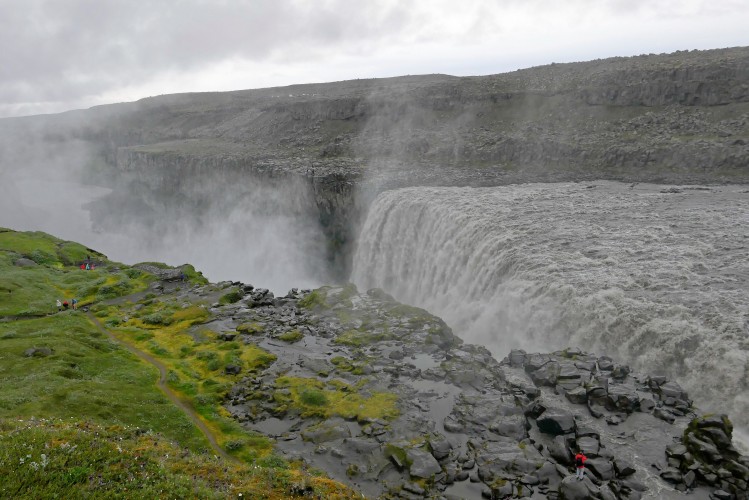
<point x="676" y="118"/>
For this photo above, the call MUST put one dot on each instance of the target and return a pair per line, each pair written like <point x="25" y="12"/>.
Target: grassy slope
<point x="85" y="382"/>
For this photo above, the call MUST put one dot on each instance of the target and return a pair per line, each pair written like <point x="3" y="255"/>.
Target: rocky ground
<point x="433" y="417"/>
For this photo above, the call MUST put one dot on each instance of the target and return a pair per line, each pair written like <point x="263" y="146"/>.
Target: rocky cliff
<point x="679" y="118"/>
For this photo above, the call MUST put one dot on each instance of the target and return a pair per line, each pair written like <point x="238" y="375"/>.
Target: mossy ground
<point x="196" y="360"/>
<point x="53" y="458"/>
<point x="316" y="398"/>
<point x="86" y="419"/>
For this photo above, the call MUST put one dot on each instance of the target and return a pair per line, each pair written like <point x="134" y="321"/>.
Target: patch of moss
<point x="230" y="298"/>
<point x="291" y="336"/>
<point x="358" y="338"/>
<point x="250" y="328"/>
<point x="315" y="299"/>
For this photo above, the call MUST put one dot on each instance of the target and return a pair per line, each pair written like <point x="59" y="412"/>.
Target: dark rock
<point x="326" y="431"/>
<point x="423" y="464"/>
<point x="38" y="352"/>
<point x="646" y="405"/>
<point x="577" y="395"/>
<point x="396" y="355"/>
<point x="440" y="448"/>
<point x="572" y="489"/>
<point x="623" y="468"/>
<point x="676" y="450"/>
<point x="547" y="375"/>
<point x="620" y="372"/>
<point x="512" y="426"/>
<point x="672" y="389"/>
<point x="664" y="414"/>
<point x="672" y="475"/>
<point x="226" y="336"/>
<point x="690" y="479"/>
<point x="516" y="358"/>
<point x="601" y="467"/>
<point x="232" y="369"/>
<point x="414" y="488"/>
<point x="556" y="421"/>
<point x="559" y="451"/>
<point x="605" y="363"/>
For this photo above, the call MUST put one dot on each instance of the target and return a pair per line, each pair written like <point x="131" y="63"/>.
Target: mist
<point x="254" y="229"/>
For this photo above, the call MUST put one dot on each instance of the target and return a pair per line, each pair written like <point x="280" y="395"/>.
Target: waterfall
<point x="657" y="278"/>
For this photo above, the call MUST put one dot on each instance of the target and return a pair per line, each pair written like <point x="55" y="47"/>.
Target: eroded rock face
<point x="459" y="423"/>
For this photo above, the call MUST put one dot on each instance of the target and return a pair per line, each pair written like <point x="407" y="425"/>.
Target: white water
<point x="659" y="281"/>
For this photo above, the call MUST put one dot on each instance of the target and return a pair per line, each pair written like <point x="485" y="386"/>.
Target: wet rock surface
<point x="437" y="418"/>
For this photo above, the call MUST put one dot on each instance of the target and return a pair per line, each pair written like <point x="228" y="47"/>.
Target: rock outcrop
<point x="385" y="397"/>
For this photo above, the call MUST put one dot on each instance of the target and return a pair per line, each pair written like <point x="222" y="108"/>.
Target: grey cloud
<point x="64" y="50"/>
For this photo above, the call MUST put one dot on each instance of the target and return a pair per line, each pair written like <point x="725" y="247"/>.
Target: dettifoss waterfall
<point x="657" y="277"/>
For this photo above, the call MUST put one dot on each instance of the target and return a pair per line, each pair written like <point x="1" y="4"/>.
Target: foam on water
<point x="657" y="280"/>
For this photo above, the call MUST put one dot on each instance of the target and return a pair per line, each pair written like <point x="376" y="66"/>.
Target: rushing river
<point x="657" y="279"/>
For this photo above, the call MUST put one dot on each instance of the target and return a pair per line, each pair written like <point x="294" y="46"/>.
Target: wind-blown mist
<point x="264" y="233"/>
<point x="260" y="231"/>
<point x="660" y="280"/>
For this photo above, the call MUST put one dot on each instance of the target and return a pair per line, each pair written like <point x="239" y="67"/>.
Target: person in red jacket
<point x="580" y="465"/>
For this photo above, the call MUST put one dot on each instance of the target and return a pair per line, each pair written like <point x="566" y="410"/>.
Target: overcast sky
<point x="57" y="55"/>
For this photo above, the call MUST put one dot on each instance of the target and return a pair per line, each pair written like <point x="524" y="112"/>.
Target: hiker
<point x="65" y="304"/>
<point x="59" y="305"/>
<point x="580" y="465"/>
<point x="88" y="266"/>
<point x="75" y="303"/>
<point x="83" y="267"/>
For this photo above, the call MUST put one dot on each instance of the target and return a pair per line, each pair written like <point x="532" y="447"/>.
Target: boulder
<point x="326" y="431"/>
<point x="578" y="395"/>
<point x="560" y="452"/>
<point x="601" y="467"/>
<point x="672" y="475"/>
<point x="516" y="358"/>
<point x="232" y="369"/>
<point x="24" y="262"/>
<point x="664" y="414"/>
<point x="556" y="421"/>
<point x="38" y="352"/>
<point x="572" y="489"/>
<point x="440" y="448"/>
<point x="512" y="426"/>
<point x="547" y="375"/>
<point x="423" y="464"/>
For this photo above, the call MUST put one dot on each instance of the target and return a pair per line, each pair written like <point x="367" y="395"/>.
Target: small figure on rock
<point x="74" y="302"/>
<point x="59" y="305"/>
<point x="580" y="465"/>
<point x="65" y="304"/>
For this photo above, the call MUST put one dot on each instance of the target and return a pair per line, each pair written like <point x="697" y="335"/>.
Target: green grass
<point x="34" y="290"/>
<point x="44" y="458"/>
<point x="85" y="377"/>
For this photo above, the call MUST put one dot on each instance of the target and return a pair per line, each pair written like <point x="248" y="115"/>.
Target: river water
<point x="658" y="280"/>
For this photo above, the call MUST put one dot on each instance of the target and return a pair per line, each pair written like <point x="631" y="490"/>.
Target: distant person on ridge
<point x="75" y="303"/>
<point x="59" y="305"/>
<point x="580" y="465"/>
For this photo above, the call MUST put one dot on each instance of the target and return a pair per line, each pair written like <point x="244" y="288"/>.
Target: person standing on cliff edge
<point x="580" y="465"/>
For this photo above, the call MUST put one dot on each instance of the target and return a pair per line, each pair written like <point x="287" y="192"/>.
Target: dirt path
<point x="166" y="390"/>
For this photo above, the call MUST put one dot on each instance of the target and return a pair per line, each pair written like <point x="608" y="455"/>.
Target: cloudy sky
<point x="67" y="54"/>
